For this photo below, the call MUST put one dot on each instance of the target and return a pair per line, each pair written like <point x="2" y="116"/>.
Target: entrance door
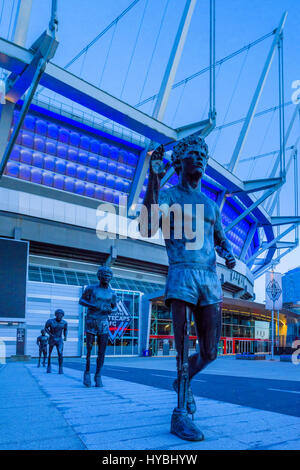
<point x="244" y="346"/>
<point x="229" y="346"/>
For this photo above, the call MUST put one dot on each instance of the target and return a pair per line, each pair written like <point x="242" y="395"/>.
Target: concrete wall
<point x="42" y="301"/>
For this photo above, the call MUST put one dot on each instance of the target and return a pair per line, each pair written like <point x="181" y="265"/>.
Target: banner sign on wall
<point x="119" y="321"/>
<point x="20" y="343"/>
<point x="273" y="291"/>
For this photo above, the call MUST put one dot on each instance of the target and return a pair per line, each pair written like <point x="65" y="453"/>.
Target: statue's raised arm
<point x="149" y="220"/>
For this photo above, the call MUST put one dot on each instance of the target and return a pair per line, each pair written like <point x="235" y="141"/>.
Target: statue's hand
<point x="230" y="261"/>
<point x="227" y="255"/>
<point x="106" y="309"/>
<point x="157" y="167"/>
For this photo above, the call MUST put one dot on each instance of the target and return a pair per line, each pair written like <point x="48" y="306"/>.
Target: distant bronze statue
<point x="56" y="329"/>
<point x="42" y="342"/>
<point x="192" y="285"/>
<point x="100" y="301"/>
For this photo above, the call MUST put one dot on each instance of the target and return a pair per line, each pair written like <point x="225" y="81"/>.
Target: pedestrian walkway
<point x="50" y="411"/>
<point x="28" y="419"/>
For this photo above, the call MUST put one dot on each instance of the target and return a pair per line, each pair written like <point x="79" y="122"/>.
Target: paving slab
<point x="28" y="419"/>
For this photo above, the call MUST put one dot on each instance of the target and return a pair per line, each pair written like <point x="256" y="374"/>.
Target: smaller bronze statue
<point x="56" y="327"/>
<point x="42" y="342"/>
<point x="100" y="301"/>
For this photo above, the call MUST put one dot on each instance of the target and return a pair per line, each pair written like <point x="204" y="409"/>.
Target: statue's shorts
<point x="193" y="283"/>
<point x="58" y="342"/>
<point x="97" y="326"/>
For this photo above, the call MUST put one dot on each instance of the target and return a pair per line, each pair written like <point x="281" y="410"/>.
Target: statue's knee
<point x="211" y="355"/>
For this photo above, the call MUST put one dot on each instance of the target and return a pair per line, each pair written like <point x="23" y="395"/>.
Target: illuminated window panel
<point x="61" y="276"/>
<point x="52" y="155"/>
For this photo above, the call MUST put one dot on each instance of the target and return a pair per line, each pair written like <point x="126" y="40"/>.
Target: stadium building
<point x="62" y="166"/>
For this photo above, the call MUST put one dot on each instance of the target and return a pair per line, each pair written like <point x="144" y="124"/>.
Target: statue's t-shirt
<point x="189" y="221"/>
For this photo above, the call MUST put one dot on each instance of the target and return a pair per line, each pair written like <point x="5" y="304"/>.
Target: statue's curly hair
<point x="182" y="145"/>
<point x="101" y="269"/>
<point x="59" y="310"/>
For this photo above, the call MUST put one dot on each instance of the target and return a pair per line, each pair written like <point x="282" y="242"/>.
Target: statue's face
<point x="43" y="332"/>
<point x="104" y="276"/>
<point x="194" y="161"/>
<point x="59" y="316"/>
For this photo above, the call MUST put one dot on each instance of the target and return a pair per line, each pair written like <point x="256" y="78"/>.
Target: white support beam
<point x="171" y="69"/>
<point x="275" y="261"/>
<point x="267" y="245"/>
<point x="252" y="186"/>
<point x="161" y="102"/>
<point x="6" y="117"/>
<point x="277" y="161"/>
<point x="285" y="220"/>
<point x="248" y="241"/>
<point x="21" y="25"/>
<point x="276" y="196"/>
<point x="18" y="84"/>
<point x="283" y="244"/>
<point x="247" y="123"/>
<point x="251" y="208"/>
<point x="16" y="58"/>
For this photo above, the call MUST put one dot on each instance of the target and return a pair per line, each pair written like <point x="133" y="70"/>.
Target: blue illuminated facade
<point x="59" y="157"/>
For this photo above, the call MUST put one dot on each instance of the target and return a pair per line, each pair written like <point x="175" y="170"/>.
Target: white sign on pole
<point x="273" y="291"/>
<point x="261" y="330"/>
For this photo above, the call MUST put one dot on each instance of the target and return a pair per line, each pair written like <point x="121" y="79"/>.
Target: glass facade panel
<point x="127" y="344"/>
<point x="237" y="335"/>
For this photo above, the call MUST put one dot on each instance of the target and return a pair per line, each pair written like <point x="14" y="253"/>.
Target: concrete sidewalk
<point x="58" y="412"/>
<point x="28" y="419"/>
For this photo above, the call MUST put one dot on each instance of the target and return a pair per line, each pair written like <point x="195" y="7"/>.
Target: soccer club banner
<point x="273" y="291"/>
<point x="119" y="321"/>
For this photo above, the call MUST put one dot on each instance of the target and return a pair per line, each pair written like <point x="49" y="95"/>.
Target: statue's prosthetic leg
<point x="89" y="346"/>
<point x="183" y="365"/>
<point x="181" y="425"/>
<point x="102" y="343"/>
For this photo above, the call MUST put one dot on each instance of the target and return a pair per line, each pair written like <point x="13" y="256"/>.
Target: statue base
<point x="21" y="358"/>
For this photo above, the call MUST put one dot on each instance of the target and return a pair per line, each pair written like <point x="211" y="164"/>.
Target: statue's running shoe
<point x="98" y="380"/>
<point x="87" y="379"/>
<point x="183" y="427"/>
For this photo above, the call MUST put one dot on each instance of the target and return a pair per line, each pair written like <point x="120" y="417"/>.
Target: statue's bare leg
<point x="181" y="425"/>
<point x="208" y="322"/>
<point x="49" y="358"/>
<point x="89" y="346"/>
<point x="44" y="358"/>
<point x="102" y="343"/>
<point x="39" y="361"/>
<point x="60" y="347"/>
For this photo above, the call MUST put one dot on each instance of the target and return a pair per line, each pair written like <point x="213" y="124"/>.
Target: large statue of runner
<point x="100" y="301"/>
<point x="56" y="328"/>
<point x="193" y="232"/>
